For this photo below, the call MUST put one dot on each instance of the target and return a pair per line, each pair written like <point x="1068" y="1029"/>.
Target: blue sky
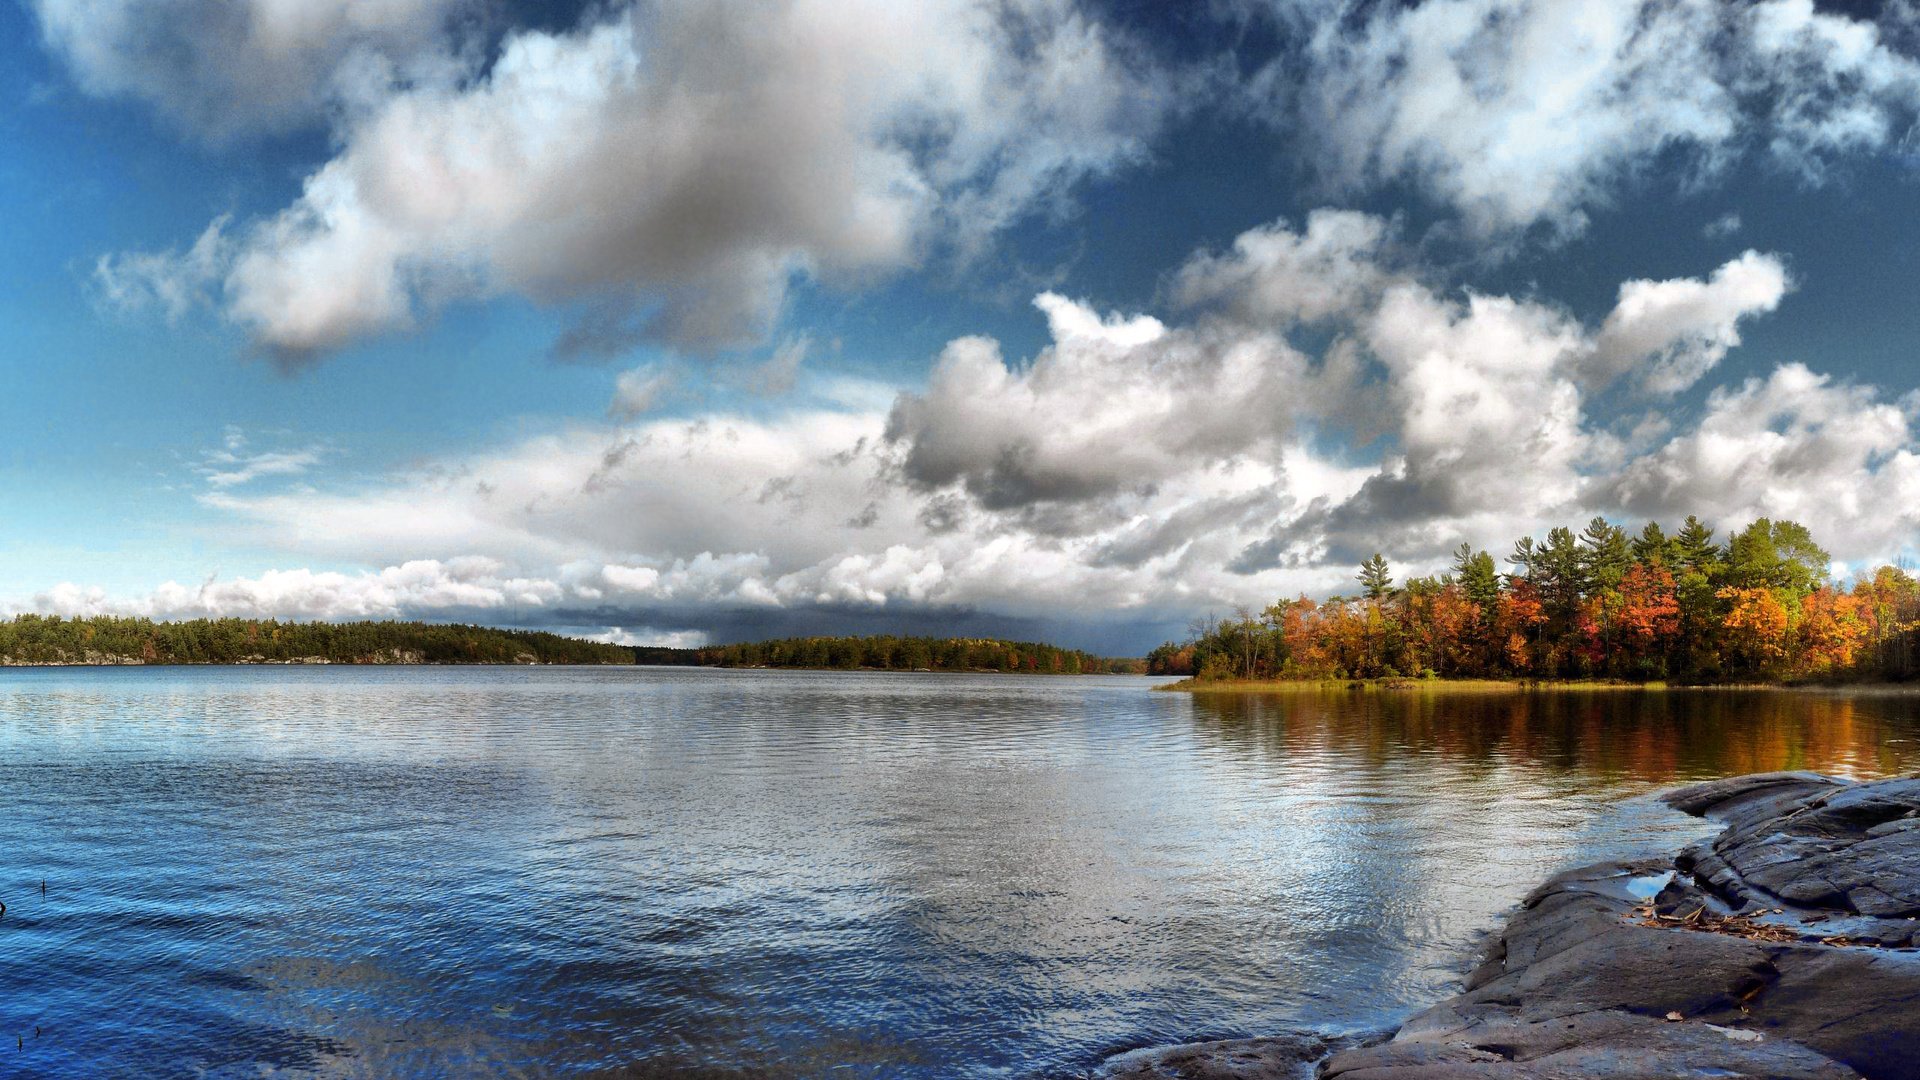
<point x="1045" y="317"/>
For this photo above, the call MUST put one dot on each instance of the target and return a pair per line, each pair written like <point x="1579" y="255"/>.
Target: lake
<point x="659" y="872"/>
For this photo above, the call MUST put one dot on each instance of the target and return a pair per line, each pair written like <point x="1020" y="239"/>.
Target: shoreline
<point x="1191" y="685"/>
<point x="6" y="662"/>
<point x="1785" y="946"/>
<point x="134" y="662"/>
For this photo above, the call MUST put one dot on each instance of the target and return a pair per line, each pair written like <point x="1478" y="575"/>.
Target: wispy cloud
<point x="235" y="464"/>
<point x="1722" y="227"/>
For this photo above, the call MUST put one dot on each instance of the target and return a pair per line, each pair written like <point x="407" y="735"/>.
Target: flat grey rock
<point x="1785" y="948"/>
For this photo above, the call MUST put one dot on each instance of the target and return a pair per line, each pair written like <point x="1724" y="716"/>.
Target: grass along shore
<point x="1509" y="686"/>
<point x="1401" y="685"/>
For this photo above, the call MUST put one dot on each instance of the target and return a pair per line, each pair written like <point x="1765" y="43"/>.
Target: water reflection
<point x="742" y="874"/>
<point x="1656" y="737"/>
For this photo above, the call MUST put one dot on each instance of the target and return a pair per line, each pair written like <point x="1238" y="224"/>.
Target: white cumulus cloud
<point x="1520" y="113"/>
<point x="1311" y="398"/>
<point x="672" y="166"/>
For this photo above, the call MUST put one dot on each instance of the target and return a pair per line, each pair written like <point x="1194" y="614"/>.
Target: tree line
<point x="44" y="639"/>
<point x="1597" y="604"/>
<point x="889" y="653"/>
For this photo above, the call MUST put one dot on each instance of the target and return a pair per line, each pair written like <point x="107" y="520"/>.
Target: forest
<point x="50" y="639"/>
<point x="1600" y="604"/>
<point x="888" y="653"/>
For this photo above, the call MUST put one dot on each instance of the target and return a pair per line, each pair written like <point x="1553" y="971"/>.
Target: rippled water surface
<point x="597" y="872"/>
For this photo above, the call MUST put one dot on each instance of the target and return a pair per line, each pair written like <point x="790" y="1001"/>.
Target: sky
<point x="683" y="321"/>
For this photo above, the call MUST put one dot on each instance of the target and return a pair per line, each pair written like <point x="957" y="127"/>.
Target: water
<point x="596" y="872"/>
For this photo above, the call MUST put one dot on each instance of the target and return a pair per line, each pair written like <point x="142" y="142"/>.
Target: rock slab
<point x="1787" y="947"/>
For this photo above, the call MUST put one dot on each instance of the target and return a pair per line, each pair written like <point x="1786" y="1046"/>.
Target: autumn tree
<point x="1649" y="615"/>
<point x="1830" y="633"/>
<point x="1756" y="625"/>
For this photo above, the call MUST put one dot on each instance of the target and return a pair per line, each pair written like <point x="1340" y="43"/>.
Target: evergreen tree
<point x="1375" y="578"/>
<point x="1653" y="546"/>
<point x="1477" y="575"/>
<point x="1608" y="554"/>
<point x="1560" y="572"/>
<point x="1525" y="553"/>
<point x="1695" y="547"/>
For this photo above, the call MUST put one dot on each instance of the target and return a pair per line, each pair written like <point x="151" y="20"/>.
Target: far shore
<point x="1507" y="686"/>
<point x="320" y="661"/>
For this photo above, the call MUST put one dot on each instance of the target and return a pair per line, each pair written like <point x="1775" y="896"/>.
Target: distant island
<point x="49" y="640"/>
<point x="1599" y="605"/>
<point x="889" y="653"/>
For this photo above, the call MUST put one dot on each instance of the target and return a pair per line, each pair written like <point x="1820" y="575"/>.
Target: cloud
<point x="274" y="463"/>
<point x="670" y="168"/>
<point x="1276" y="425"/>
<point x="172" y="282"/>
<point x="1470" y="390"/>
<point x="638" y="392"/>
<point x="1276" y="275"/>
<point x="1676" y="331"/>
<point x="1453" y="393"/>
<point x="725" y="525"/>
<point x="1487" y="407"/>
<point x="1524" y="113"/>
<point x="233" y="464"/>
<point x="1830" y="84"/>
<point x="1113" y="405"/>
<point x="648" y="636"/>
<point x="223" y="68"/>
<point x="1722" y="227"/>
<point x="781" y="371"/>
<point x="420" y="585"/>
<point x="1795" y="444"/>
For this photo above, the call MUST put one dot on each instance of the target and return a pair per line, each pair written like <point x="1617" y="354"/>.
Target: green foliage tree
<point x="1525" y="554"/>
<point x="1560" y="573"/>
<point x="1776" y="555"/>
<point x="1478" y="576"/>
<point x="1608" y="554"/>
<point x="1653" y="545"/>
<point x="1694" y="546"/>
<point x="1375" y="578"/>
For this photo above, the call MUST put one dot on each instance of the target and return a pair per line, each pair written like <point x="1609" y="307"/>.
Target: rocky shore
<point x="1786" y="947"/>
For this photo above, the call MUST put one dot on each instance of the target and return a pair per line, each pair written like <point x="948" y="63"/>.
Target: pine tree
<point x="1608" y="554"/>
<point x="1524" y="555"/>
<point x="1695" y="547"/>
<point x="1477" y="575"/>
<point x="1654" y="546"/>
<point x="1375" y="578"/>
<point x="1560" y="571"/>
